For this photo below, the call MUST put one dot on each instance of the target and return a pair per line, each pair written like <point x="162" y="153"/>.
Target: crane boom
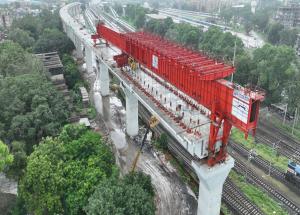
<point x="201" y="79"/>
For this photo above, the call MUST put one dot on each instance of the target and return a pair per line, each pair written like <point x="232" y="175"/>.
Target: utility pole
<point x="274" y="148"/>
<point x="249" y="161"/>
<point x="234" y="53"/>
<point x="286" y="106"/>
<point x="295" y="119"/>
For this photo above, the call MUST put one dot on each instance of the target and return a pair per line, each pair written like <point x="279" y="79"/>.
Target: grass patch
<point x="225" y="210"/>
<point x="287" y="128"/>
<point x="91" y="112"/>
<point x="258" y="197"/>
<point x="266" y="152"/>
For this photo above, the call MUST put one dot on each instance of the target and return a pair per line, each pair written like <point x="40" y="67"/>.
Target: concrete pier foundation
<point x="211" y="180"/>
<point x="132" y="116"/>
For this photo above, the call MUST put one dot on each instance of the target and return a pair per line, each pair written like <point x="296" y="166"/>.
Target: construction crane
<point x="153" y="122"/>
<point x="199" y="77"/>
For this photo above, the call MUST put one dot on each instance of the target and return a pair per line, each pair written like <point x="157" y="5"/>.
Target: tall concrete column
<point x="89" y="58"/>
<point x="104" y="79"/>
<point x="211" y="180"/>
<point x="132" y="113"/>
<point x="79" y="52"/>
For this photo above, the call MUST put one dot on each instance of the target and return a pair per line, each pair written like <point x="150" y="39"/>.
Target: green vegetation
<point x="31" y="108"/>
<point x="162" y="142"/>
<point x="22" y="37"/>
<point x="42" y="33"/>
<point x="286" y="127"/>
<point x="14" y="61"/>
<point x="53" y="40"/>
<point x="65" y="164"/>
<point x="225" y="210"/>
<point x="75" y="161"/>
<point x="5" y="157"/>
<point x="71" y="72"/>
<point x="75" y="173"/>
<point x="264" y="151"/>
<point x="136" y="14"/>
<point x="261" y="199"/>
<point x="131" y="195"/>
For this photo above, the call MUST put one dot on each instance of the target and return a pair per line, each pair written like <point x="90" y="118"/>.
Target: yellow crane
<point x="151" y="124"/>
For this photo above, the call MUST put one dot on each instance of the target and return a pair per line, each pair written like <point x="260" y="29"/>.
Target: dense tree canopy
<point x="15" y="61"/>
<point x="221" y="44"/>
<point x="22" y="37"/>
<point x="45" y="29"/>
<point x="71" y="72"/>
<point x="62" y="172"/>
<point x="31" y="108"/>
<point x="132" y="195"/>
<point x="53" y="40"/>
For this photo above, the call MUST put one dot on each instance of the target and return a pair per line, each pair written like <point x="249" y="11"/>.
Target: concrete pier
<point x="103" y="78"/>
<point x="211" y="180"/>
<point x="78" y="45"/>
<point x="132" y="113"/>
<point x="89" y="59"/>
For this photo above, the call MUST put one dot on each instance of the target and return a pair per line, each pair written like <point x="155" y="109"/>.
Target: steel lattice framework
<point x="198" y="76"/>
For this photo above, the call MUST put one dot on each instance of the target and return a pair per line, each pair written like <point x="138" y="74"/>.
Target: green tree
<point x="221" y="45"/>
<point x="274" y="33"/>
<point x="15" y="61"/>
<point x="22" y="37"/>
<point x="123" y="197"/>
<point x="63" y="172"/>
<point x="71" y="72"/>
<point x="16" y="169"/>
<point x="53" y="40"/>
<point x="140" y="19"/>
<point x="288" y="37"/>
<point x="31" y="108"/>
<point x="163" y="141"/>
<point x="261" y="19"/>
<point x="5" y="157"/>
<point x="273" y="69"/>
<point x="244" y="66"/>
<point x="30" y="24"/>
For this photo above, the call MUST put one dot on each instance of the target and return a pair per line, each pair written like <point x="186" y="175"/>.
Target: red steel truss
<point x="198" y="76"/>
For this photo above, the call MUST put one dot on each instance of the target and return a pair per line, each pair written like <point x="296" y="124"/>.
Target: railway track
<point x="232" y="196"/>
<point x="243" y="169"/>
<point x="259" y="162"/>
<point x="288" y="146"/>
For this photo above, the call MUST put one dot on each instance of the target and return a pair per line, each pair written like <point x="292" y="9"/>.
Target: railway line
<point x="243" y="169"/>
<point x="259" y="162"/>
<point x="285" y="145"/>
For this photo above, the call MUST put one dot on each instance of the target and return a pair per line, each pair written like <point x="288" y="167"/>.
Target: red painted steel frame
<point x="193" y="73"/>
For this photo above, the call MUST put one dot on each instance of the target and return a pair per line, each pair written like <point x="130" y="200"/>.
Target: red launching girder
<point x="196" y="75"/>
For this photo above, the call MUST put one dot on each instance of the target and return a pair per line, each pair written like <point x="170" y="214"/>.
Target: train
<point x="280" y="109"/>
<point x="293" y="173"/>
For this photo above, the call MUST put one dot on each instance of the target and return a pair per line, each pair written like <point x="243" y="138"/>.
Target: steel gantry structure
<point x="196" y="75"/>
